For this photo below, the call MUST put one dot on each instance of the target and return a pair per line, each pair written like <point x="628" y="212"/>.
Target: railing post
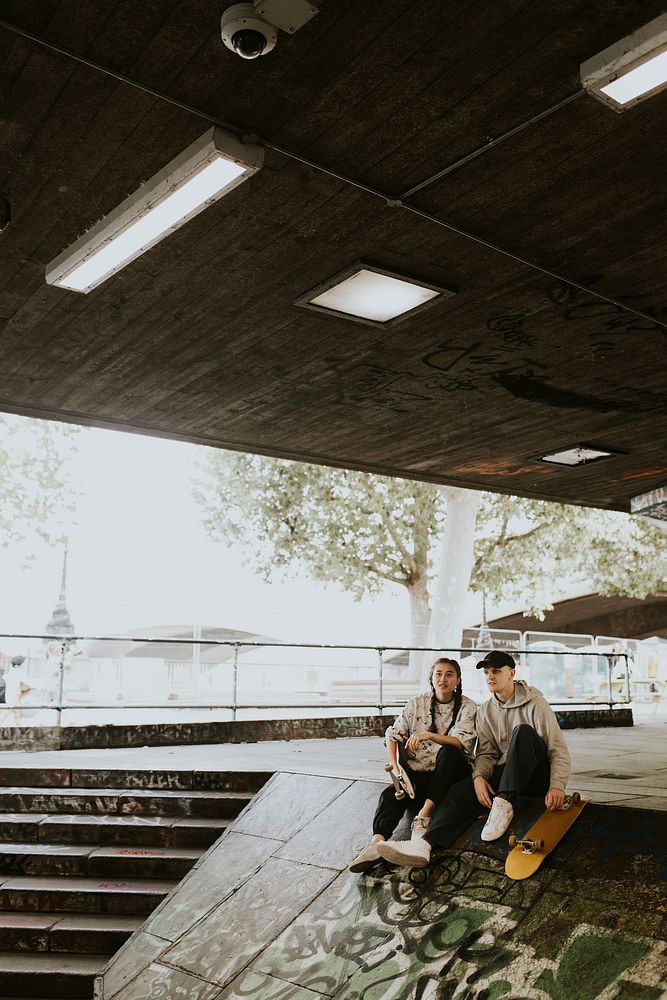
<point x="235" y="680"/>
<point x="523" y="652"/>
<point x="61" y="683"/>
<point x="381" y="681"/>
<point x="628" y="696"/>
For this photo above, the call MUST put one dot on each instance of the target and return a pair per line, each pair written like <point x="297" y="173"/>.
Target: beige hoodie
<point x="497" y="719"/>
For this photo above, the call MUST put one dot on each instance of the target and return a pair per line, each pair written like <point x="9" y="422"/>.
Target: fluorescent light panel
<point x="372" y="295"/>
<point x="578" y="454"/>
<point x="643" y="80"/>
<point x="630" y="70"/>
<point x="213" y="165"/>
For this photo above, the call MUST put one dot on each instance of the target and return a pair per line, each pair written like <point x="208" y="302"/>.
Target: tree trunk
<point x="420" y="614"/>
<point x="453" y="569"/>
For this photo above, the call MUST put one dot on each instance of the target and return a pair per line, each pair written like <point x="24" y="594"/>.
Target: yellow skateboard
<point x="546" y="832"/>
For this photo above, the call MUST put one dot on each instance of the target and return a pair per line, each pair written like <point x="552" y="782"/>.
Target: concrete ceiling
<point x="199" y="338"/>
<point x="595" y="615"/>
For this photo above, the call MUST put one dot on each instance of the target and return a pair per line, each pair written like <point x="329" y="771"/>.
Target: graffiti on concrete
<point x="451" y="932"/>
<point x="515" y="351"/>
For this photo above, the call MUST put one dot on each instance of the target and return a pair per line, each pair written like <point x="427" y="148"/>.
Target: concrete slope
<point x="270" y="912"/>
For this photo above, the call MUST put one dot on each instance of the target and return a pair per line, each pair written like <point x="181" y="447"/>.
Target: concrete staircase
<point x="86" y="856"/>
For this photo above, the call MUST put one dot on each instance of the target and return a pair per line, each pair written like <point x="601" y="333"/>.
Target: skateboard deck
<point x="402" y="784"/>
<point x="528" y="852"/>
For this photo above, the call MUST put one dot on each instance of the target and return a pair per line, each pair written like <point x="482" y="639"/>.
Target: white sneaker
<point x="415" y="853"/>
<point x="499" y="819"/>
<point x="366" y="858"/>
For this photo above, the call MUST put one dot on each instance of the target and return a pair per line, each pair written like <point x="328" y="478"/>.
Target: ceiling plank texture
<point x="552" y="235"/>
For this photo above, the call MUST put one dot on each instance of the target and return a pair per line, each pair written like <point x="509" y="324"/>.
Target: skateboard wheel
<point x="388" y="767"/>
<point x="576" y="797"/>
<point x="400" y="795"/>
<point x="513" y="840"/>
<point x="538" y="845"/>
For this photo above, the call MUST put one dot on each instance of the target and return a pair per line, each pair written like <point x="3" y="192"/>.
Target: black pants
<point x="451" y="766"/>
<point x="525" y="772"/>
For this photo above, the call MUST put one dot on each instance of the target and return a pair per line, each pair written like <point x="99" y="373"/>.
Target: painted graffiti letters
<point x="509" y="332"/>
<point x="386" y="387"/>
<point x="615" y="320"/>
<point x="448" y="355"/>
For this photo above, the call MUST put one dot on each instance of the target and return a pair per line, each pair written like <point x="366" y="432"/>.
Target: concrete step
<point x="147" y="831"/>
<point x="85" y="859"/>
<point x="88" y="860"/>
<point x="193" y="832"/>
<point x="40" y="777"/>
<point x="49" y="975"/>
<point x="218" y="781"/>
<point x="17" y="827"/>
<point x="44" y="859"/>
<point x="92" y="933"/>
<point x="126" y="861"/>
<point x="43" y="894"/>
<point x="84" y="933"/>
<point x="103" y="778"/>
<point x="140" y="801"/>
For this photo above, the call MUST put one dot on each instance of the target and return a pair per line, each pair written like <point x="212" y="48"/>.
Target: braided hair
<point x="458" y="693"/>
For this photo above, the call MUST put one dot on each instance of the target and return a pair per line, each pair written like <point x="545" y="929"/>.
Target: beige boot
<point x="413" y="853"/>
<point x="367" y="858"/>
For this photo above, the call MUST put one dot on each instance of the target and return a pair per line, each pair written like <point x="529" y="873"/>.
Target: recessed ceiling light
<point x="369" y="294"/>
<point x="630" y="70"/>
<point x="202" y="173"/>
<point x="577" y="454"/>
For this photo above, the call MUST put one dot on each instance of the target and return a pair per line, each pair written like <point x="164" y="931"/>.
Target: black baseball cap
<point x="496" y="658"/>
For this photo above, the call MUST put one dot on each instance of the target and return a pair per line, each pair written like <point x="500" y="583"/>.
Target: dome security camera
<point x="245" y="32"/>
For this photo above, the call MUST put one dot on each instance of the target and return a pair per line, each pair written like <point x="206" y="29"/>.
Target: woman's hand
<point x="484" y="791"/>
<point x="413" y="742"/>
<point x="554" y="799"/>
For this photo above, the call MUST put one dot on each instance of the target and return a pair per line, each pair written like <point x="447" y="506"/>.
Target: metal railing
<point x="586" y="680"/>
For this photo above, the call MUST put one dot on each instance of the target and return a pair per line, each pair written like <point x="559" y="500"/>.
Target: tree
<point x="358" y="530"/>
<point x="454" y="566"/>
<point x="37" y="493"/>
<point x="363" y="530"/>
<point x="525" y="548"/>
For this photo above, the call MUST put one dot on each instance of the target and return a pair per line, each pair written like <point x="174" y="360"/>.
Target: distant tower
<point x="60" y="622"/>
<point x="484" y="640"/>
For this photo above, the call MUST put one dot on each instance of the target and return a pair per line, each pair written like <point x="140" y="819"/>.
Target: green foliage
<point x="37" y="497"/>
<point x="362" y="530"/>
<point x="349" y="527"/>
<point x="626" y="555"/>
<point x="526" y="549"/>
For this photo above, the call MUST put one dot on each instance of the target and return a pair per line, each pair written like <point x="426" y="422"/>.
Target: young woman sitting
<point x="432" y="740"/>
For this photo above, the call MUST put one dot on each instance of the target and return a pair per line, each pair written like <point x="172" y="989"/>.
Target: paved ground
<point x="626" y="767"/>
<point x="271" y="913"/>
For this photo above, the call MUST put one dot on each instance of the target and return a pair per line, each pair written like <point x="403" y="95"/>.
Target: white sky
<point x="140" y="557"/>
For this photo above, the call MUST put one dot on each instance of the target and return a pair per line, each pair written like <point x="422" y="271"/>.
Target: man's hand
<point x="554" y="799"/>
<point x="413" y="743"/>
<point x="484" y="791"/>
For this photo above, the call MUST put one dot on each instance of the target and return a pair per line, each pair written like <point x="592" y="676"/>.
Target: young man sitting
<point x="521" y="751"/>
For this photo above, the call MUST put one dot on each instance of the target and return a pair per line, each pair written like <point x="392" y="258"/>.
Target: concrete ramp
<point x="270" y="913"/>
